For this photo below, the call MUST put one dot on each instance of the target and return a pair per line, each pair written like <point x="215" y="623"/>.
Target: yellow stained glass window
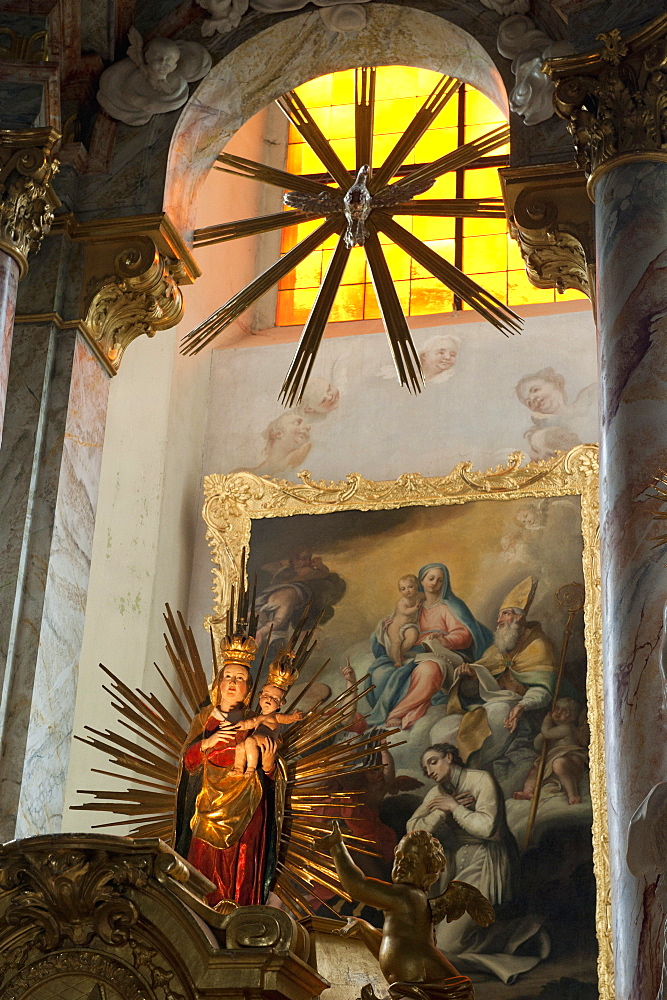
<point x="480" y="247"/>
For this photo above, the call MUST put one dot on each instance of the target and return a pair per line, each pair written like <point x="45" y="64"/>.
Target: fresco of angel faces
<point x="540" y="397"/>
<point x="451" y="612"/>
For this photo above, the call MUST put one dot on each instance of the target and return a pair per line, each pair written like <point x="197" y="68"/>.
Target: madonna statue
<point x="225" y="823"/>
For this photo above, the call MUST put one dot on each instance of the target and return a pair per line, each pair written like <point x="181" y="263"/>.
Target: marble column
<point x="620" y="146"/>
<point x="27" y="204"/>
<point x="49" y="473"/>
<point x="631" y="228"/>
<point x="9" y="279"/>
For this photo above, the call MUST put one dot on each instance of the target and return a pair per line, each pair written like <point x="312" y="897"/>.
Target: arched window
<point x="481" y="247"/>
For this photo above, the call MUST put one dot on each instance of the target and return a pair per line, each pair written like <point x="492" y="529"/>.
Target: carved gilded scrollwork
<point x="110" y="917"/>
<point x="261" y="927"/>
<point x="551" y="218"/>
<point x="27" y="199"/>
<point x="142" y="298"/>
<point x="71" y="895"/>
<point x="133" y="270"/>
<point x="614" y="100"/>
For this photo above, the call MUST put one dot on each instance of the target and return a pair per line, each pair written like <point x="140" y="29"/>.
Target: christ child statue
<point x="267" y="724"/>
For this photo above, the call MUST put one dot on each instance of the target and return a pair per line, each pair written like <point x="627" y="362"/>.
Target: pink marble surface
<point x="631" y="222"/>
<point x="49" y="736"/>
<point x="9" y="279"/>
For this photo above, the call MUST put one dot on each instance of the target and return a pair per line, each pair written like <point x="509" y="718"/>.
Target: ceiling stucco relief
<point x="152" y="79"/>
<point x="528" y="47"/>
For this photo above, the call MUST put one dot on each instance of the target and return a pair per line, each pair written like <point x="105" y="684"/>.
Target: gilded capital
<point x="614" y="99"/>
<point x="27" y="199"/>
<point x="551" y="219"/>
<point x="133" y="271"/>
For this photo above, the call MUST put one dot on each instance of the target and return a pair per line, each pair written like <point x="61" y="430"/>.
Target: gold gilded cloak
<point x="225" y="803"/>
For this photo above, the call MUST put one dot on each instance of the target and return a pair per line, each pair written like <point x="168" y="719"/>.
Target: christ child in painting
<point x="566" y="755"/>
<point x="263" y="726"/>
<point x="403" y="626"/>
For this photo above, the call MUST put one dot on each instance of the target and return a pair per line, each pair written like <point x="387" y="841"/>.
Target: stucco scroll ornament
<point x="647" y="835"/>
<point x="152" y="79"/>
<point x="226" y="14"/>
<point x="528" y="47"/>
<point x="507" y="7"/>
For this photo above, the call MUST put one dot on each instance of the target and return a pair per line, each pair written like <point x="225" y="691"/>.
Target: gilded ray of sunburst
<point x="358" y="206"/>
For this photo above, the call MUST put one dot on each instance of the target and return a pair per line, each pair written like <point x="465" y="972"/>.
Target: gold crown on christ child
<point x="283" y="672"/>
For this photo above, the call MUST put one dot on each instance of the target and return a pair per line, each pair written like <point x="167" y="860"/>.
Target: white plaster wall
<point x="148" y="514"/>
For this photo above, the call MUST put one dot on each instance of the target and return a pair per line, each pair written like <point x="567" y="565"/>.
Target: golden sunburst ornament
<point x="316" y="753"/>
<point x="358" y="206"/>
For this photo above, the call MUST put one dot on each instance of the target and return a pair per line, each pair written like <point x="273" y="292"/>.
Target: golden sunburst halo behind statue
<point x="358" y="206"/>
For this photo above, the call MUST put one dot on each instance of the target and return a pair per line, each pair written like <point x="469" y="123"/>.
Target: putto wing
<point x="135" y="49"/>
<point x="459" y="898"/>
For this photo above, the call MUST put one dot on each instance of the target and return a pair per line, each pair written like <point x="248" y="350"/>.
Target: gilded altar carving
<point x="613" y="99"/>
<point x="142" y="298"/>
<point x="133" y="271"/>
<point x="551" y="218"/>
<point x="33" y="48"/>
<point x="27" y="199"/>
<point x="103" y="916"/>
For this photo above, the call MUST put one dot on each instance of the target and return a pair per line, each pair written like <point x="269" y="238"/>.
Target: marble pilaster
<point x="49" y="734"/>
<point x="613" y="100"/>
<point x="49" y="469"/>
<point x="9" y="279"/>
<point x="631" y="227"/>
<point x="30" y="461"/>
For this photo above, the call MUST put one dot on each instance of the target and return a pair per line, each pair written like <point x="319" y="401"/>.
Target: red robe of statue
<point x="238" y="871"/>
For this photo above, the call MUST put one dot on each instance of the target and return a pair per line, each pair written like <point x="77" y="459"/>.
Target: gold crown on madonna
<point x="282" y="672"/>
<point x="238" y="647"/>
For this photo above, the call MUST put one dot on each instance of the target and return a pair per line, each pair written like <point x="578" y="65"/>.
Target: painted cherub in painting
<point x="567" y="756"/>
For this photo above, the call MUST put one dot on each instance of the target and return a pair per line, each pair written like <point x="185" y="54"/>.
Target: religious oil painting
<point x="468" y="607"/>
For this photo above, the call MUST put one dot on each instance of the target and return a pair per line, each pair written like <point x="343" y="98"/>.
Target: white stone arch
<point x="294" y="51"/>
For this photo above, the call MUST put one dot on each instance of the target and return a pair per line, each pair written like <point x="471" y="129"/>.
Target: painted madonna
<point x="418" y="648"/>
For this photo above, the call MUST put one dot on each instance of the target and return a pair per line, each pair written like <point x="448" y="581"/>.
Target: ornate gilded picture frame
<point x="357" y="550"/>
